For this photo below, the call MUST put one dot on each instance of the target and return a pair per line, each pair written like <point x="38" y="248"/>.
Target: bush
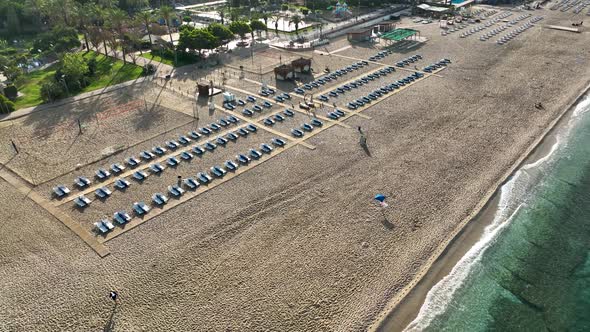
<point x="51" y="91"/>
<point x="6" y="106"/>
<point x="149" y="69"/>
<point x="304" y="10"/>
<point x="92" y="64"/>
<point x="284" y="7"/>
<point x="187" y="18"/>
<point x="11" y="92"/>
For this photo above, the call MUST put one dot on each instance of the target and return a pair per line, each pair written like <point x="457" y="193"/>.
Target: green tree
<point x="221" y="32"/>
<point x="73" y="69"/>
<point x="240" y="28"/>
<point x="197" y="39"/>
<point x="257" y="26"/>
<point x="296" y="20"/>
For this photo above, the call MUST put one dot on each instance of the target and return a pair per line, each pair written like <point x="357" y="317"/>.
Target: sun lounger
<point x="203" y="177"/>
<point x="186" y="155"/>
<point x="156" y="168"/>
<point x="231" y="136"/>
<point x="132" y="161"/>
<point x="251" y="128"/>
<point x="265" y="148"/>
<point x="159" y="199"/>
<point x="194" y="135"/>
<point x="223" y="122"/>
<point x="191" y="183"/>
<point x="61" y="190"/>
<point x="82" y="182"/>
<point x="243" y="132"/>
<point x="247" y="112"/>
<point x="306" y="127"/>
<point x="257" y="108"/>
<point x="140" y="208"/>
<point x="210" y="146"/>
<point x="230" y="166"/>
<point x="221" y="140"/>
<point x="103" y="192"/>
<point x="101" y="227"/>
<point x="205" y="131"/>
<point x="233" y="119"/>
<point x="254" y="154"/>
<point x="317" y="123"/>
<point x="146" y="155"/>
<point x="158" y="150"/>
<point x="296" y="132"/>
<point x="214" y="126"/>
<point x="278" y="142"/>
<point x="175" y="190"/>
<point x="121" y="217"/>
<point x="172" y="161"/>
<point x="82" y="201"/>
<point x="108" y="224"/>
<point x="102" y="174"/>
<point x="172" y="145"/>
<point x="184" y="140"/>
<point x="122" y="184"/>
<point x="117" y="168"/>
<point x="217" y="171"/>
<point x="242" y="159"/>
<point x="268" y="121"/>
<point x="140" y="175"/>
<point x="198" y="150"/>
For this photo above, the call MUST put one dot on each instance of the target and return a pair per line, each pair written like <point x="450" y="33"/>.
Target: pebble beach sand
<point x="297" y="244"/>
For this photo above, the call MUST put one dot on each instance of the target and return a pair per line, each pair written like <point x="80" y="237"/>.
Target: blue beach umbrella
<point x="381" y="199"/>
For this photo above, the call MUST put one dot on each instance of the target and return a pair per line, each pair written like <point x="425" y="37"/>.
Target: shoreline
<point x="404" y="307"/>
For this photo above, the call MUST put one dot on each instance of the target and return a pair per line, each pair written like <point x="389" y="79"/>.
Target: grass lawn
<point x="182" y="61"/>
<point x="158" y="58"/>
<point x="109" y="71"/>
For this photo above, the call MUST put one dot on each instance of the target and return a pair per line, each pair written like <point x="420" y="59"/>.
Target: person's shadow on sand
<point x="110" y="325"/>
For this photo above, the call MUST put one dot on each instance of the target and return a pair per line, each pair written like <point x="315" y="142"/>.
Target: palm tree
<point x="83" y="17"/>
<point x="118" y="21"/>
<point x="145" y="18"/>
<point x="275" y="20"/>
<point x="167" y="12"/>
<point x="265" y="16"/>
<point x="296" y="20"/>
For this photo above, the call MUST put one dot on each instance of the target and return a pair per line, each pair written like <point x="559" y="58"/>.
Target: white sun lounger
<point x="122" y="183"/>
<point x="101" y="227"/>
<point x="82" y="181"/>
<point x="117" y="168"/>
<point x="103" y="192"/>
<point x="82" y="201"/>
<point x="121" y="217"/>
<point x="61" y="190"/>
<point x="159" y="199"/>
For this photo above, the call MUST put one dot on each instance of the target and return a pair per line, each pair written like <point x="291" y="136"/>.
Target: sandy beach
<point x="296" y="243"/>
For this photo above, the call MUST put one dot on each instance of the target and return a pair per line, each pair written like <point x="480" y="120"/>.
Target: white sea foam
<point x="513" y="195"/>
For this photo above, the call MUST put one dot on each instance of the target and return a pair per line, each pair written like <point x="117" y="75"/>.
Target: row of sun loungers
<point x="102" y="174"/>
<point x="330" y="77"/>
<point x="159" y="199"/>
<point x="514" y="33"/>
<point x="83" y="182"/>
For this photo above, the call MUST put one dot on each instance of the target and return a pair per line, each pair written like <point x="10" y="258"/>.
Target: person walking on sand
<point x="362" y="138"/>
<point x="113" y="296"/>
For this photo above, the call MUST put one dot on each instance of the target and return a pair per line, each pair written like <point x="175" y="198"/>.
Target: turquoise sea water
<point x="530" y="271"/>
